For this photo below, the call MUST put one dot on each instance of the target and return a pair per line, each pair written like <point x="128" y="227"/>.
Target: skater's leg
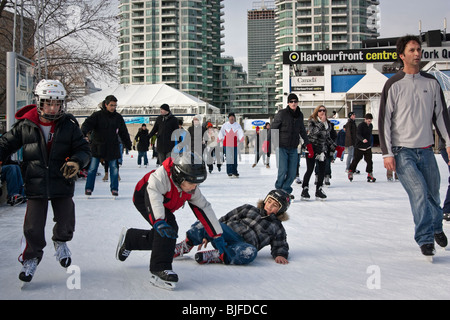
<point x="33" y="229"/>
<point x="114" y="175"/>
<point x="163" y="247"/>
<point x="283" y="168"/>
<point x="368" y="160"/>
<point x="64" y="218"/>
<point x="407" y="164"/>
<point x="92" y="173"/>
<point x="432" y="178"/>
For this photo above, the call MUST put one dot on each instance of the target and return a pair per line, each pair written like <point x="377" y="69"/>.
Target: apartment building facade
<point x="170" y="41"/>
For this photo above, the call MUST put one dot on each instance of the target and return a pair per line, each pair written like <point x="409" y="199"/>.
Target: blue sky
<point x="398" y="17"/>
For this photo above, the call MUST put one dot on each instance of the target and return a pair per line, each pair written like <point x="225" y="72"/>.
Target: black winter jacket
<point x="106" y="128"/>
<point x="364" y="132"/>
<point x="164" y="126"/>
<point x="291" y="126"/>
<point x="42" y="176"/>
<point x="143" y="140"/>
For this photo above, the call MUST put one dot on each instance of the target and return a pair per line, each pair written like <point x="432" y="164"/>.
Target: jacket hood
<point x="28" y="112"/>
<point x="281" y="216"/>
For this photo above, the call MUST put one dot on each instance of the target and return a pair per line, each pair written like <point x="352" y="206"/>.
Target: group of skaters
<point x="55" y="148"/>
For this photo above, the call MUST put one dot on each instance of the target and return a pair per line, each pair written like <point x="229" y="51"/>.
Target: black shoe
<point x="446" y="216"/>
<point x="305" y="194"/>
<point x="441" y="239"/>
<point x="320" y="194"/>
<point x="428" y="249"/>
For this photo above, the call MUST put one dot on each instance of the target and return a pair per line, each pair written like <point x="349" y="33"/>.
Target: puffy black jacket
<point x="42" y="175"/>
<point x="163" y="128"/>
<point x="106" y="128"/>
<point x="291" y="127"/>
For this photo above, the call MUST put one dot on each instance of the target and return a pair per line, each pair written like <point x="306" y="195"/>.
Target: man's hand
<point x="389" y="163"/>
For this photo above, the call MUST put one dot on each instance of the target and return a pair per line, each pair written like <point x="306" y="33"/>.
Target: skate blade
<point x="321" y="199"/>
<point x="23" y="285"/>
<point x="429" y="259"/>
<point x="162" y="284"/>
<point x="121" y="241"/>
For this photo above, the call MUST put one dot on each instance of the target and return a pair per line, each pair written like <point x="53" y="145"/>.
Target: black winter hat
<point x="292" y="96"/>
<point x="166" y="107"/>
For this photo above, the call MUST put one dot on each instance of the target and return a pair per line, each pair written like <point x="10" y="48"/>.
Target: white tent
<point x="142" y="99"/>
<point x="372" y="83"/>
<point x="367" y="91"/>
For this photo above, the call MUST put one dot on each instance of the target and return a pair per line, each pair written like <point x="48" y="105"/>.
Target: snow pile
<point x="358" y="244"/>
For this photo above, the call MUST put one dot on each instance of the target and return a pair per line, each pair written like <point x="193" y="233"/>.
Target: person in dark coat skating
<point x="54" y="150"/>
<point x="105" y="127"/>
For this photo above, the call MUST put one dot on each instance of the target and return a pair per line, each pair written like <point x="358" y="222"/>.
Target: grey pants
<point x="35" y="220"/>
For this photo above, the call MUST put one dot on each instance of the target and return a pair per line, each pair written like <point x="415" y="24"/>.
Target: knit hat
<point x="292" y="96"/>
<point x="166" y="107"/>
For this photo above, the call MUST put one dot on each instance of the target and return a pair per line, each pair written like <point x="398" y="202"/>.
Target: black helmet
<point x="282" y="197"/>
<point x="189" y="167"/>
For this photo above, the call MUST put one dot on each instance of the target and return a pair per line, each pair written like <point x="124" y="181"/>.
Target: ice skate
<point x="114" y="194"/>
<point x="305" y="194"/>
<point x="121" y="252"/>
<point x="370" y="177"/>
<point x="428" y="251"/>
<point x="62" y="253"/>
<point x="327" y="180"/>
<point x="182" y="248"/>
<point x="166" y="279"/>
<point x="350" y="175"/>
<point x="211" y="256"/>
<point x="441" y="239"/>
<point x="320" y="195"/>
<point x="28" y="269"/>
<point x="446" y="217"/>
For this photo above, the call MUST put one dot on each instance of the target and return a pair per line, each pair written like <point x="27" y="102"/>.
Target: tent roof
<point x="372" y="82"/>
<point x="139" y="96"/>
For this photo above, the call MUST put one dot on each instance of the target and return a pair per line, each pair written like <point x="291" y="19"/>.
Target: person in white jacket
<point x="157" y="196"/>
<point x="231" y="134"/>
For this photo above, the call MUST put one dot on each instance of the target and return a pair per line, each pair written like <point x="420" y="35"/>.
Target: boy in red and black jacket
<point x="157" y="196"/>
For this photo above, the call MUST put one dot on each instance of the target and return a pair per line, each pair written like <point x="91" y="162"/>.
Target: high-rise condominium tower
<point x="261" y="36"/>
<point x="170" y="41"/>
<point x="325" y="24"/>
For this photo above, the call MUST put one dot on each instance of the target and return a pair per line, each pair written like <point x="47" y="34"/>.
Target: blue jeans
<point x="237" y="250"/>
<point x="231" y="154"/>
<point x="142" y="154"/>
<point x="113" y="174"/>
<point x="287" y="168"/>
<point x="418" y="172"/>
<point x="13" y="176"/>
